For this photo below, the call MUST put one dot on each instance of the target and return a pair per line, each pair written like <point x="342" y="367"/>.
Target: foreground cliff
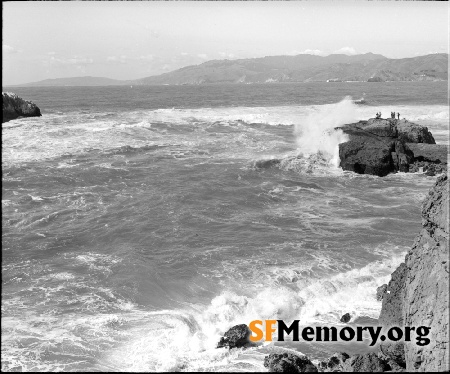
<point x="418" y="293"/>
<point x="15" y="107"/>
<point x="382" y="146"/>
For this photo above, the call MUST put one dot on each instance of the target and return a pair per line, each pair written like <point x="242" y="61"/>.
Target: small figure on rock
<point x="393" y="115"/>
<point x="398" y="115"/>
<point x="378" y="115"/>
<point x="346" y="318"/>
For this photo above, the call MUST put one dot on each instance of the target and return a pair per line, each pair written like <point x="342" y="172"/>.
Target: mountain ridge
<point x="269" y="69"/>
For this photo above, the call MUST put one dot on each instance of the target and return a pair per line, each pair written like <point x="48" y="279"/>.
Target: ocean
<point x="140" y="223"/>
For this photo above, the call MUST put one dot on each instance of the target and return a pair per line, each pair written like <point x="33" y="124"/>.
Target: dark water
<point x="141" y="223"/>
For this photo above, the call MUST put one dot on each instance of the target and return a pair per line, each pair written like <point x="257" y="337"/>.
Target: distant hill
<point x="300" y="68"/>
<point x="75" y="81"/>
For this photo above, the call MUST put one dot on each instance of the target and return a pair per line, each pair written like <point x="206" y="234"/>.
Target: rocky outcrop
<point x="288" y="362"/>
<point x="15" y="107"/>
<point x="409" y="132"/>
<point x="236" y="337"/>
<point x="334" y="363"/>
<point x="383" y="146"/>
<point x="417" y="295"/>
<point x="432" y="153"/>
<point x="418" y="291"/>
<point x="367" y="363"/>
<point x="346" y="318"/>
<point x="381" y="291"/>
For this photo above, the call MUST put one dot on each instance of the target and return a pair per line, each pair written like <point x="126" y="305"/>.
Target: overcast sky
<point x="129" y="40"/>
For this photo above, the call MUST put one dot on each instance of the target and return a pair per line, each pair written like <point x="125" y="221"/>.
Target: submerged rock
<point x="236" y="337"/>
<point x="288" y="362"/>
<point x="15" y="107"/>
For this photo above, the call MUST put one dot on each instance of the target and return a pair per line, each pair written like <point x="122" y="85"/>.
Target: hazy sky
<point x="129" y="40"/>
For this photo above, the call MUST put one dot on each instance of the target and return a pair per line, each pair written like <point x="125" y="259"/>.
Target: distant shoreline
<point x="215" y="84"/>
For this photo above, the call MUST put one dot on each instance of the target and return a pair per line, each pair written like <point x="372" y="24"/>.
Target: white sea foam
<point x="186" y="340"/>
<point x="50" y="136"/>
<point x="316" y="133"/>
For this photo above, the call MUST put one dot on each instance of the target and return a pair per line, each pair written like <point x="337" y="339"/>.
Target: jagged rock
<point x="432" y="153"/>
<point x="409" y="132"/>
<point x="365" y="363"/>
<point x="394" y="354"/>
<point x="427" y="283"/>
<point x="431" y="171"/>
<point x="288" y="362"/>
<point x="334" y="363"/>
<point x="15" y="107"/>
<point x="425" y="165"/>
<point x="402" y="157"/>
<point x="391" y="309"/>
<point x="346" y="318"/>
<point x="381" y="292"/>
<point x="419" y="288"/>
<point x="236" y="337"/>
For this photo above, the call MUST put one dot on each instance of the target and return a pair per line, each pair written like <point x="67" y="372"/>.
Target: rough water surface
<point x="139" y="224"/>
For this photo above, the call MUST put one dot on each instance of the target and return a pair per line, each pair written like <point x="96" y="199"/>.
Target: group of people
<point x="378" y="115"/>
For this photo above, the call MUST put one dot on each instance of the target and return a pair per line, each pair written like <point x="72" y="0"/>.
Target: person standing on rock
<point x="398" y="115"/>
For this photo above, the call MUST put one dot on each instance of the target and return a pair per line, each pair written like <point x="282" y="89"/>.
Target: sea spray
<point x="316" y="133"/>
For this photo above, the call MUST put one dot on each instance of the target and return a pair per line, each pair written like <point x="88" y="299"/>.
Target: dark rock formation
<point x="433" y="153"/>
<point x="346" y="318"/>
<point x="334" y="363"/>
<point x="15" y="107"/>
<point x="391" y="310"/>
<point x="383" y="146"/>
<point x="409" y="132"/>
<point x="367" y="155"/>
<point x="366" y="363"/>
<point x="381" y="291"/>
<point x="236" y="337"/>
<point x="393" y="354"/>
<point x="418" y="290"/>
<point x="288" y="362"/>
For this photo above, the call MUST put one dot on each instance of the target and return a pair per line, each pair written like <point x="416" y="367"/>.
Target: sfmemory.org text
<point x="264" y="330"/>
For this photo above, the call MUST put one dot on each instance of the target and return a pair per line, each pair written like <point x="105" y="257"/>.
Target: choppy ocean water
<point x="140" y="223"/>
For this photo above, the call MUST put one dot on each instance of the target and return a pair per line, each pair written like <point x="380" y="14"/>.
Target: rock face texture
<point x="236" y="337"/>
<point x="419" y="289"/>
<point x="15" y="107"/>
<point x="334" y="363"/>
<point x="429" y="152"/>
<point x="383" y="146"/>
<point x="409" y="132"/>
<point x="367" y="363"/>
<point x="288" y="362"/>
